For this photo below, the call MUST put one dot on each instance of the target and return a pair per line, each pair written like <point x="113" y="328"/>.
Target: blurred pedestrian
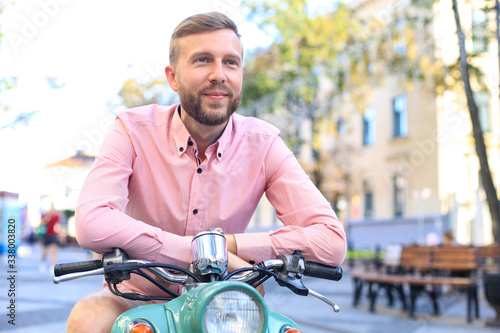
<point x="51" y="226"/>
<point x="448" y="238"/>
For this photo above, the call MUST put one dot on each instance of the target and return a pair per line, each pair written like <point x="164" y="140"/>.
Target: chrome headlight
<point x="233" y="311"/>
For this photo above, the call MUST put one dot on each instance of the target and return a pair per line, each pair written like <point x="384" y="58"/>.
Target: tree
<point x="289" y="74"/>
<point x="497" y="34"/>
<point x="155" y="91"/>
<point x="485" y="173"/>
<point x="353" y="52"/>
<point x="7" y="83"/>
<point x="313" y="43"/>
<point x="3" y="5"/>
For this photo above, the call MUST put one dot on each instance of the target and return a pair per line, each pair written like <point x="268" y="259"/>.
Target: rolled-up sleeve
<point x="101" y="223"/>
<point x="310" y="224"/>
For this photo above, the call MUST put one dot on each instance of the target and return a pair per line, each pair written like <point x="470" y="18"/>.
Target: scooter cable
<point x="135" y="296"/>
<point x="171" y="267"/>
<point x="156" y="283"/>
<point x="264" y="274"/>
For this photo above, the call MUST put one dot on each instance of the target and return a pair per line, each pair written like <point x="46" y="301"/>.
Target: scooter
<point x="212" y="300"/>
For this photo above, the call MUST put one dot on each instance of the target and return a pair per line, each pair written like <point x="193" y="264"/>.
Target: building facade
<point x="415" y="171"/>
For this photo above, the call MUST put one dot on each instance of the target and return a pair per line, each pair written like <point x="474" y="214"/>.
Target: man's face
<point x="208" y="75"/>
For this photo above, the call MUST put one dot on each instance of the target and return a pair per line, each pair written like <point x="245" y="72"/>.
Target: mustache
<point x="219" y="87"/>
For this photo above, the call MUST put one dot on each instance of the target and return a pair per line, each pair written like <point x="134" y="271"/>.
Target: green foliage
<point x="7" y="83"/>
<point x="135" y="93"/>
<point x="305" y="44"/>
<point x="354" y="52"/>
<point x="2" y="8"/>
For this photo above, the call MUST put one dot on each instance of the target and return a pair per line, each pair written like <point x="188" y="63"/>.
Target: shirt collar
<point x="180" y="132"/>
<point x="224" y="138"/>
<point x="182" y="137"/>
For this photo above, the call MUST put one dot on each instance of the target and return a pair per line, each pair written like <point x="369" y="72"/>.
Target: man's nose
<point x="217" y="74"/>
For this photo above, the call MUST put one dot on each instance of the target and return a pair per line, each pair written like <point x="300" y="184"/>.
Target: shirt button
<point x="195" y="211"/>
<point x="199" y="170"/>
<point x="219" y="154"/>
<point x="190" y="143"/>
<point x="181" y="149"/>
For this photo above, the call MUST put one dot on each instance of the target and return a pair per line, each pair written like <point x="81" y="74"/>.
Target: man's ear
<point x="172" y="80"/>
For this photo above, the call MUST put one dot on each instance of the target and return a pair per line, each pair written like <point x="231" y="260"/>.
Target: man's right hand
<point x="236" y="263"/>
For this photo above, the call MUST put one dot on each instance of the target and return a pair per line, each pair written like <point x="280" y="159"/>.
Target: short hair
<point x="448" y="234"/>
<point x="199" y="23"/>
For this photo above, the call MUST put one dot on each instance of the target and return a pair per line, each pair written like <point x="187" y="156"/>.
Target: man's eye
<point x="202" y="60"/>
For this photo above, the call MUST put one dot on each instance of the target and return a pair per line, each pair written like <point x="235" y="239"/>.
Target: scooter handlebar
<point x="75" y="267"/>
<point x="322" y="271"/>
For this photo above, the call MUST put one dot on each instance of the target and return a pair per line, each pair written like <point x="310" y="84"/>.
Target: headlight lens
<point x="233" y="311"/>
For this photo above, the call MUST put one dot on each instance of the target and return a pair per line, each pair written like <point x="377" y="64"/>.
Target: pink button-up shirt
<point x="147" y="189"/>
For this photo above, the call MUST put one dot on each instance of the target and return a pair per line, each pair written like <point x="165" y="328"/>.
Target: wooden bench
<point x="424" y="268"/>
<point x="488" y="257"/>
<point x="452" y="266"/>
<point x="387" y="277"/>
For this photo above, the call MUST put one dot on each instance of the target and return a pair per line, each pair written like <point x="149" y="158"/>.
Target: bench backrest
<point x="488" y="254"/>
<point x="454" y="258"/>
<point x="414" y="257"/>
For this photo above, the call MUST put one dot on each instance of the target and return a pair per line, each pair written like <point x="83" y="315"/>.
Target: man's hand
<point x="236" y="263"/>
<point x="231" y="243"/>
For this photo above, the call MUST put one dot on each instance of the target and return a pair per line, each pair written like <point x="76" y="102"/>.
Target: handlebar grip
<point x="322" y="271"/>
<point x="75" y="267"/>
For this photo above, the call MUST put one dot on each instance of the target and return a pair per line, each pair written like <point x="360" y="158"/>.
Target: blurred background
<point x="371" y="96"/>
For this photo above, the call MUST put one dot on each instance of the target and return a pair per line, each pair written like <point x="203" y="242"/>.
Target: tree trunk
<point x="486" y="179"/>
<point x="497" y="34"/>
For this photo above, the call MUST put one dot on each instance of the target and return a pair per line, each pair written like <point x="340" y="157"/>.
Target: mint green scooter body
<point x="185" y="313"/>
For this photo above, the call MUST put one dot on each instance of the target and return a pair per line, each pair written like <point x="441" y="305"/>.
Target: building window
<point x="399" y="189"/>
<point x="398" y="37"/>
<point x="369" y="126"/>
<point x="482" y="100"/>
<point x="368" y="195"/>
<point x="400" y="116"/>
<point x="341" y="129"/>
<point x="479" y="31"/>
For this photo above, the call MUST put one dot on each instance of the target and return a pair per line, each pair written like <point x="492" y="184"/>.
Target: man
<point x="165" y="173"/>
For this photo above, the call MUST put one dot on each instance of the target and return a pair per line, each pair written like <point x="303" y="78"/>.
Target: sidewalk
<point x="42" y="306"/>
<point x="389" y="320"/>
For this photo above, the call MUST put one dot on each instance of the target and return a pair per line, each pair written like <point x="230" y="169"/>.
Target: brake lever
<point x="295" y="284"/>
<point x="325" y="299"/>
<point x="292" y="282"/>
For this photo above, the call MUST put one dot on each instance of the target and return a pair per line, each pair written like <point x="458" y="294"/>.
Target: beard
<point x="209" y="113"/>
